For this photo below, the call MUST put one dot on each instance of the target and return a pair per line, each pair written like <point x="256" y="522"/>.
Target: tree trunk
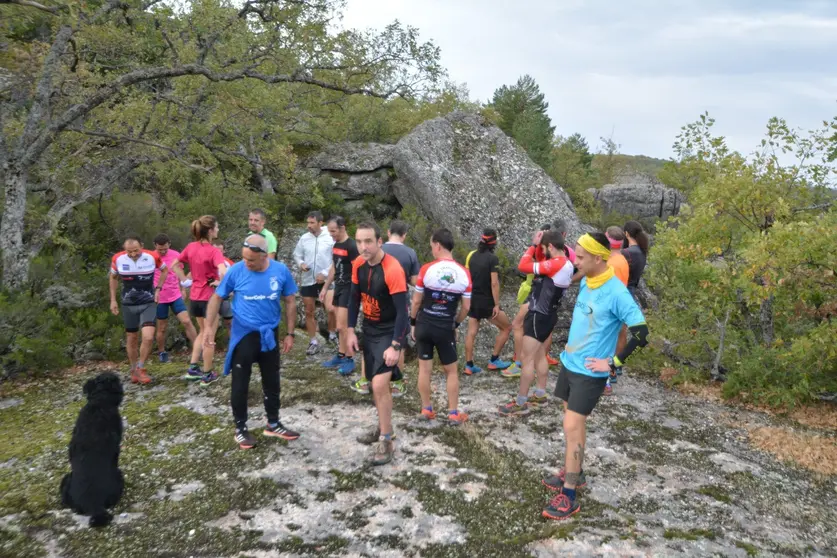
<point x="766" y="321"/>
<point x="15" y="259"/>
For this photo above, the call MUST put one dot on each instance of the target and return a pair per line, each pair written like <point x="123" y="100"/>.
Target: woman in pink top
<point x="206" y="265"/>
<point x="171" y="297"/>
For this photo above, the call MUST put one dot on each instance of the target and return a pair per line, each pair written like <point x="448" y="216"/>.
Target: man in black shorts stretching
<point x="441" y="285"/>
<point x="344" y="252"/>
<point x="551" y="279"/>
<point x="380" y="286"/>
<point x="483" y="265"/>
<point x="602" y="306"/>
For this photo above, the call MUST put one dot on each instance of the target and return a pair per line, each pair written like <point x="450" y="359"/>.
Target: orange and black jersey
<point x="381" y="291"/>
<point x="343" y="254"/>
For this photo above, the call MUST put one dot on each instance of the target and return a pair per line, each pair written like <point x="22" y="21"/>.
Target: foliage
<point x="753" y="264"/>
<point x="521" y="111"/>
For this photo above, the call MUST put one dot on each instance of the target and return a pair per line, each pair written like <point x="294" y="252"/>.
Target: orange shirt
<point x="620" y="266"/>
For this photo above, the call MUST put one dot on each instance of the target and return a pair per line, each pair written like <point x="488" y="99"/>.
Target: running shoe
<point x="362" y="386"/>
<point x="561" y="507"/>
<point x="313" y="348"/>
<point x="471" y="370"/>
<point x="458" y="418"/>
<point x="552" y="361"/>
<point x="619" y="371"/>
<point x="164" y="357"/>
<point x="334" y="362"/>
<point x="556" y="482"/>
<point x="347" y="367"/>
<point x="383" y="452"/>
<point x="498" y="364"/>
<point x="512" y="409"/>
<point x="279" y="431"/>
<point x="194" y="373"/>
<point x="399" y="388"/>
<point x="244" y="439"/>
<point x="614" y="379"/>
<point x="536" y="401"/>
<point x="371" y="436"/>
<point x="428" y="414"/>
<point x="140" y="376"/>
<point x="608" y="389"/>
<point x="209" y="378"/>
<point x="512" y="371"/>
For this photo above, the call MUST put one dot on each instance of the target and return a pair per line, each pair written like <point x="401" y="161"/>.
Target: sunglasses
<point x="254" y="248"/>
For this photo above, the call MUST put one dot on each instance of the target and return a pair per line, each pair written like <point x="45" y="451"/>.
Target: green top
<point x="271" y="240"/>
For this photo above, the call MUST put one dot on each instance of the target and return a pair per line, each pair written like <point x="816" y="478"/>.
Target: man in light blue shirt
<point x="602" y="306"/>
<point x="260" y="284"/>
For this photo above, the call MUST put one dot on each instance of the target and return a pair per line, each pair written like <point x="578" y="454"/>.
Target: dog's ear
<point x="88" y="386"/>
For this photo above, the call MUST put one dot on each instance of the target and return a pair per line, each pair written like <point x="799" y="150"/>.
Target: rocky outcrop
<point x="355" y="170"/>
<point x="639" y="196"/>
<point x="465" y="174"/>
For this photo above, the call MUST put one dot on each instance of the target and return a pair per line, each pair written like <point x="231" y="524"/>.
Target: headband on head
<point x="614" y="244"/>
<point x="490" y="240"/>
<point x="593" y="247"/>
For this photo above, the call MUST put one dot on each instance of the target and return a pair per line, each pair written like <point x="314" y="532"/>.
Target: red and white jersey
<point x="137" y="276"/>
<point x="443" y="283"/>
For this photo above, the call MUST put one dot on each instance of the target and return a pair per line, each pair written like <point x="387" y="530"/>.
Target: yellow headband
<point x="594" y="248"/>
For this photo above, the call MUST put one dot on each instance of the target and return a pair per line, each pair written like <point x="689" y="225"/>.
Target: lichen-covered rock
<point x="465" y="174"/>
<point x="639" y="196"/>
<point x="352" y="157"/>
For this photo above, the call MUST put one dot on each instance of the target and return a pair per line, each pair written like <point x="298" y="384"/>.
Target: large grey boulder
<point x="639" y="196"/>
<point x="465" y="174"/>
<point x="355" y="170"/>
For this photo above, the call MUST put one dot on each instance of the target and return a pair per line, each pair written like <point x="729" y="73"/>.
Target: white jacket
<point x="315" y="252"/>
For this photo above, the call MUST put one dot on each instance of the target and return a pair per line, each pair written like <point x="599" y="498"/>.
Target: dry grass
<point x="814" y="452"/>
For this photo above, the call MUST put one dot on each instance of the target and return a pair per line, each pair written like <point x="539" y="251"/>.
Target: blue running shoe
<point x="164" y="357"/>
<point x="499" y="364"/>
<point x="471" y="370"/>
<point x="194" y="373"/>
<point x="334" y="362"/>
<point x="347" y="367"/>
<point x="619" y="371"/>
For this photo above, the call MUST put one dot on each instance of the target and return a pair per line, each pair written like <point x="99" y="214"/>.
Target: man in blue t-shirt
<point x="602" y="306"/>
<point x="259" y="284"/>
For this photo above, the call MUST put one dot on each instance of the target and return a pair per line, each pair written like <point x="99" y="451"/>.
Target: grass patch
<point x="715" y="491"/>
<point x="690" y="535"/>
<point x="750" y="549"/>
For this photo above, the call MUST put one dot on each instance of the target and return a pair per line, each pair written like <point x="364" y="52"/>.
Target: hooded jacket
<point x="315" y="252"/>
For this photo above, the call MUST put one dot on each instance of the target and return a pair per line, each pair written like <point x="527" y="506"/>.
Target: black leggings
<point x="247" y="352"/>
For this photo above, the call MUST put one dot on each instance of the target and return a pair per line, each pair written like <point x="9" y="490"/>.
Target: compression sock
<point x="569" y="492"/>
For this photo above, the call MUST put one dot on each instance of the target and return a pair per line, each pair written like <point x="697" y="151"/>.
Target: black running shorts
<point x="481" y="308"/>
<point x="311" y="291"/>
<point x="581" y="392"/>
<point x="198" y="308"/>
<point x="342" y="294"/>
<point x="443" y="339"/>
<point x="539" y="326"/>
<point x="375" y="342"/>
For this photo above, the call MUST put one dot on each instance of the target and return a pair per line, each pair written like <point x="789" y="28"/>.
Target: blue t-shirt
<point x="597" y="318"/>
<point x="257" y="293"/>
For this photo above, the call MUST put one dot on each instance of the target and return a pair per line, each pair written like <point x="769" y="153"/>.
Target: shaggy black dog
<point x="96" y="482"/>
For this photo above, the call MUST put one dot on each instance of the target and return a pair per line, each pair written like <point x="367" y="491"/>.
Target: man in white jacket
<point x="313" y="256"/>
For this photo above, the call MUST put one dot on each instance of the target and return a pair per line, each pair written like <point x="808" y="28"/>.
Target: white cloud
<point x="635" y="68"/>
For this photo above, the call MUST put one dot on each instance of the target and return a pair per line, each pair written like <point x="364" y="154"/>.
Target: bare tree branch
<point x="175" y="153"/>
<point x="813" y="207"/>
<point x="37" y="5"/>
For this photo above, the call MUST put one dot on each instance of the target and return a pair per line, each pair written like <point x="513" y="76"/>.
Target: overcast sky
<point x="638" y="69"/>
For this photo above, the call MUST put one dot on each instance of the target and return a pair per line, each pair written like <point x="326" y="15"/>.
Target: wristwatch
<point x="290" y="335"/>
<point x="396" y="345"/>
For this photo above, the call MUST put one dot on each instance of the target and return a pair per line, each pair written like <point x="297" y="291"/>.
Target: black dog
<point x="96" y="482"/>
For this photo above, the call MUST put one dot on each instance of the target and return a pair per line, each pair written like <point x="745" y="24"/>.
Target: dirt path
<point x="668" y="475"/>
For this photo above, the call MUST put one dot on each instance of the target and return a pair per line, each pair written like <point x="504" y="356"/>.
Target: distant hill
<point x="639" y="163"/>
